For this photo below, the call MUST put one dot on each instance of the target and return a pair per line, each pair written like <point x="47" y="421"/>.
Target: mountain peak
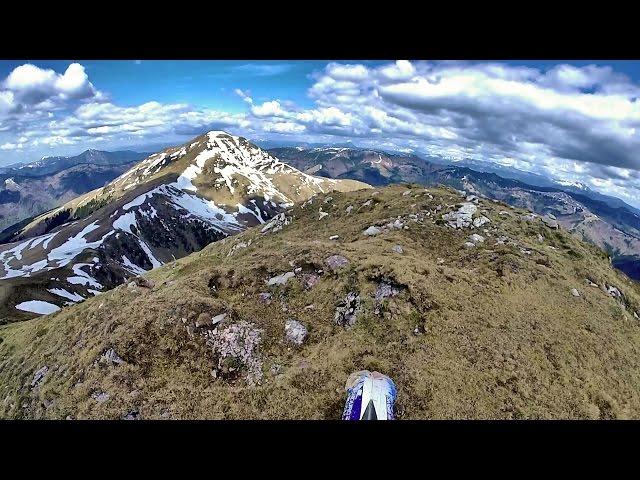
<point x="172" y="203"/>
<point x="219" y="133"/>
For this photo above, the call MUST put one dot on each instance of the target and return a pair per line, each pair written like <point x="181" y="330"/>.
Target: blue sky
<point x="577" y="121"/>
<point x="204" y="83"/>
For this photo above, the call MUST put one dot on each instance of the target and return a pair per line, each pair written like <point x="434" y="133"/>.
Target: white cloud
<point x="244" y="95"/>
<point x="11" y="146"/>
<point x="577" y="123"/>
<point x="30" y="85"/>
<point x="268" y="109"/>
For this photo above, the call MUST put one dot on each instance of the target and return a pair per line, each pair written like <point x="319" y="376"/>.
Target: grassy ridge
<point x="491" y="331"/>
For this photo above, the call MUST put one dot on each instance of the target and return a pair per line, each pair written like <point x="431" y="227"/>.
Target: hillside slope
<point x="171" y="204"/>
<point x="469" y="307"/>
<point x="31" y="189"/>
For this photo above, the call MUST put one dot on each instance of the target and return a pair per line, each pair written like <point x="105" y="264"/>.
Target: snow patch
<point x="38" y="306"/>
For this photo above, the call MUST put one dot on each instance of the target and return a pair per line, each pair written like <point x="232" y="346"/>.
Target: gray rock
<point x="110" y="357"/>
<point x="462" y="218"/>
<point x="276" y="224"/>
<point x="475" y="238"/>
<point x="38" y="376"/>
<point x="479" y="221"/>
<point x="349" y="208"/>
<point x="309" y="280"/>
<point x="280" y="279"/>
<point x="335" y="262"/>
<point x="469" y="245"/>
<point x="334" y="237"/>
<point x="295" y="332"/>
<point x="372" y="231"/>
<point x="614" y="292"/>
<point x="347" y="310"/>
<point x="143" y="282"/>
<point x="217" y="319"/>
<point x="575" y="292"/>
<point x="385" y="290"/>
<point x="237" y="247"/>
<point x="264" y="297"/>
<point x="398" y="225"/>
<point x="501" y="240"/>
<point x="397" y="249"/>
<point x="100" y="397"/>
<point x="132" y="415"/>
<point x="550" y="222"/>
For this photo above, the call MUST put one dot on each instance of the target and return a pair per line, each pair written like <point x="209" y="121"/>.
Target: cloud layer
<point x="579" y="124"/>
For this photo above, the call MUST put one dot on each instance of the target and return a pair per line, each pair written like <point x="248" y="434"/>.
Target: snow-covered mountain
<point x="171" y="204"/>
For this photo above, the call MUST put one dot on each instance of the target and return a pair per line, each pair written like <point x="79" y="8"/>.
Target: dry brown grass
<point x="499" y="333"/>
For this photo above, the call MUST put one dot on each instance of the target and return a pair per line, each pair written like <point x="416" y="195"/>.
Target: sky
<point x="576" y="121"/>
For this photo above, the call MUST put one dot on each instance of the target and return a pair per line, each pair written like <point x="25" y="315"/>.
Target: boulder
<point x="479" y="221"/>
<point x="461" y="218"/>
<point x="295" y="332"/>
<point x="280" y="279"/>
<point x="100" y="397"/>
<point x="110" y="357"/>
<point x="575" y="292"/>
<point x="372" y="231"/>
<point x="277" y="223"/>
<point x="335" y="262"/>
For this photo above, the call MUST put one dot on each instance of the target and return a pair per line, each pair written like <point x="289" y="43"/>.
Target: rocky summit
<point x="529" y="322"/>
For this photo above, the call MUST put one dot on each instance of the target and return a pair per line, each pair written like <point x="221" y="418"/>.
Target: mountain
<point x="171" y="204"/>
<point x="501" y="318"/>
<point x="605" y="221"/>
<point x="30" y="189"/>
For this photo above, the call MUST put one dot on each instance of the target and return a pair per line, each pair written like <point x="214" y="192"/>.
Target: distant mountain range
<point x="600" y="219"/>
<point x="32" y="188"/>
